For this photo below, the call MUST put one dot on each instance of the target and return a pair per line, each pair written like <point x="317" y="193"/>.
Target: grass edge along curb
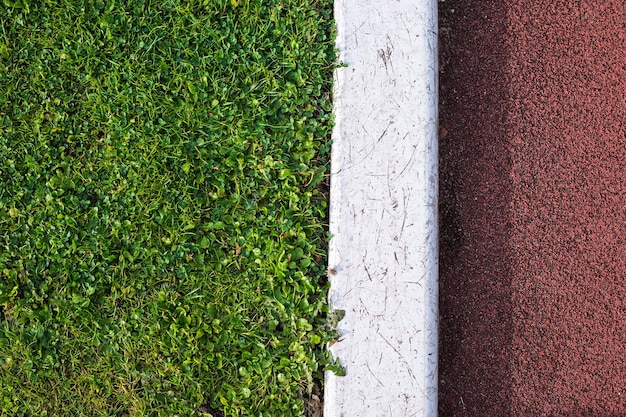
<point x="162" y="242"/>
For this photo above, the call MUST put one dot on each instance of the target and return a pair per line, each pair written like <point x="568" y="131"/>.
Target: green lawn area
<point x="163" y="204"/>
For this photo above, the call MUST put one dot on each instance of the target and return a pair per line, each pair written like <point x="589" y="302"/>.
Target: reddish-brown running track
<point x="533" y="208"/>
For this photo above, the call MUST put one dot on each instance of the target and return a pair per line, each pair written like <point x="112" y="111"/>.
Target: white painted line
<point x="383" y="210"/>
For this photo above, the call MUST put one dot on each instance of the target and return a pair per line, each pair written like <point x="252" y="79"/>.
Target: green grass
<point x="162" y="206"/>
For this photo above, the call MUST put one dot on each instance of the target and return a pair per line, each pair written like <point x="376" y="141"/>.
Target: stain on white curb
<point x="383" y="210"/>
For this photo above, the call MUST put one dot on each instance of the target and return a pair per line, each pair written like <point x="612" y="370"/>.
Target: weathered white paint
<point x="383" y="210"/>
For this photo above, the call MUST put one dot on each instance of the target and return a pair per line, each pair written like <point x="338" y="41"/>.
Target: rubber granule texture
<point x="533" y="208"/>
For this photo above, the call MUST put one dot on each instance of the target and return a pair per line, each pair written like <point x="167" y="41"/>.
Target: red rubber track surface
<point x="533" y="208"/>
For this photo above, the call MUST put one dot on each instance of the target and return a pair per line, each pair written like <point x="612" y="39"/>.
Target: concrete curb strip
<point x="383" y="210"/>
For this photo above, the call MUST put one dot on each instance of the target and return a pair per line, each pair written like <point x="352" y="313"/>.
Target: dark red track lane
<point x="533" y="208"/>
